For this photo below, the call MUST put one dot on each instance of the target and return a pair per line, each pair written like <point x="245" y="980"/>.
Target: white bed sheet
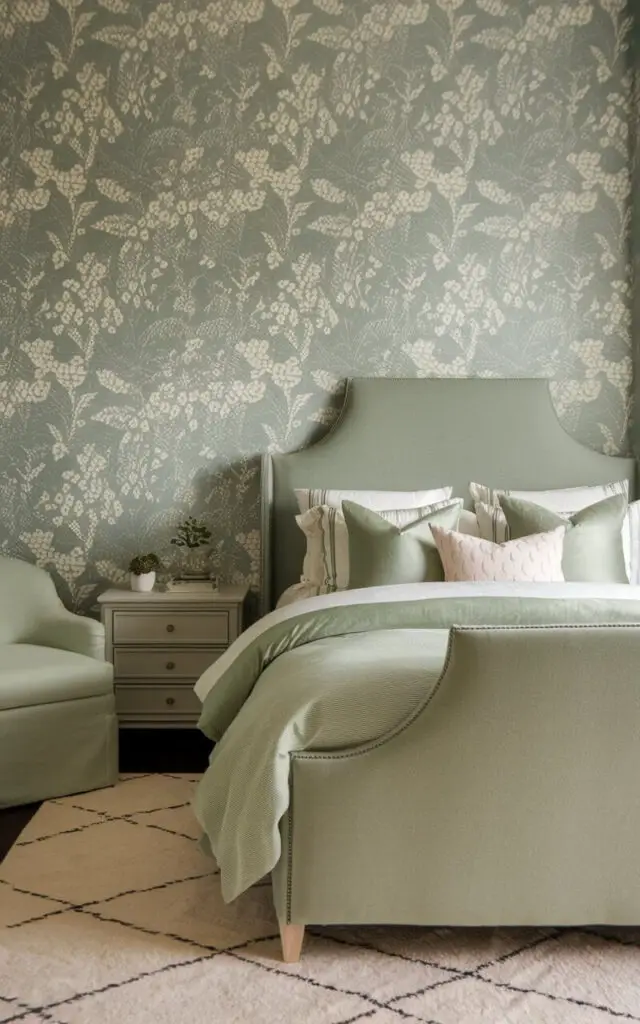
<point x="297" y="592"/>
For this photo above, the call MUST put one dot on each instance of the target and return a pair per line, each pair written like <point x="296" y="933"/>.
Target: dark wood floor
<point x="163" y="750"/>
<point x="141" y="750"/>
<point x="12" y="822"/>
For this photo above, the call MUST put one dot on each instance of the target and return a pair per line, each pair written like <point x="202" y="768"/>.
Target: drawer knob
<point x="170" y="700"/>
<point x="171" y="664"/>
<point x="170" y="628"/>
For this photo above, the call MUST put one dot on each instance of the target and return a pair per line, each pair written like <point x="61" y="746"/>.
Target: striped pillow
<point x="565" y="501"/>
<point x="492" y="523"/>
<point x="377" y="501"/>
<point x="326" y="562"/>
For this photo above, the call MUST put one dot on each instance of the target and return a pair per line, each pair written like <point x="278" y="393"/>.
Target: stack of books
<point x="192" y="585"/>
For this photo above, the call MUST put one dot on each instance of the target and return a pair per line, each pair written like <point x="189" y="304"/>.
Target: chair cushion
<point x="27" y="596"/>
<point x="32" y="675"/>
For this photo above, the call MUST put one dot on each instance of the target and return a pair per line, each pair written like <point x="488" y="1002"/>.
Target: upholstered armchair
<point x="58" y="727"/>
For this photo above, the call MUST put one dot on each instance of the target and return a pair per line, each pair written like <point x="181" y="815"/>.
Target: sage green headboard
<point x="420" y="433"/>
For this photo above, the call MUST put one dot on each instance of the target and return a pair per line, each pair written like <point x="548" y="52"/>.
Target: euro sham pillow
<point x="565" y="500"/>
<point x="593" y="551"/>
<point x="381" y="553"/>
<point x="379" y="501"/>
<point x="533" y="559"/>
<point x="326" y="562"/>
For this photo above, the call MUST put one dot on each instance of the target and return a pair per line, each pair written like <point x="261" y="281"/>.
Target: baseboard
<point x="164" y="750"/>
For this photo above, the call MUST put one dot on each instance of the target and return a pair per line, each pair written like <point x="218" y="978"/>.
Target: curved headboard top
<point x="418" y="433"/>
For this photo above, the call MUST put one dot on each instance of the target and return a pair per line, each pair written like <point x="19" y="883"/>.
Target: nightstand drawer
<point x="148" y="701"/>
<point x="176" y="627"/>
<point x="172" y="662"/>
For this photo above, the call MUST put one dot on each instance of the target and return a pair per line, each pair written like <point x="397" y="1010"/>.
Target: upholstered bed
<point x="430" y="753"/>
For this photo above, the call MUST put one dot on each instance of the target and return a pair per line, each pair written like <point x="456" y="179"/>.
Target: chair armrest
<point x="69" y="632"/>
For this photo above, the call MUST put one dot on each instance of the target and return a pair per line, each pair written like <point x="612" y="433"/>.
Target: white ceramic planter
<point x="143" y="583"/>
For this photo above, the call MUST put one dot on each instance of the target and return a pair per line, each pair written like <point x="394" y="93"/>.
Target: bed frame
<point x="518" y="799"/>
<point x="395" y="434"/>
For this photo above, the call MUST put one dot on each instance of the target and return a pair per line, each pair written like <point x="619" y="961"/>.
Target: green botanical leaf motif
<point x="213" y="212"/>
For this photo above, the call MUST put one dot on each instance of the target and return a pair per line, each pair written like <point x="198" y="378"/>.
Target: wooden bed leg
<point x="291" y="936"/>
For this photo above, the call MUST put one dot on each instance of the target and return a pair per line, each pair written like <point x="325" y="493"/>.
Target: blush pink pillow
<point x="533" y="559"/>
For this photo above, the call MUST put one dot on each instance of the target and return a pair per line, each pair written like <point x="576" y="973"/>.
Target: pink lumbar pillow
<point x="533" y="559"/>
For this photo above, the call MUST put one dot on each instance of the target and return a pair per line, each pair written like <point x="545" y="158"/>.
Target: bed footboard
<point x="510" y="797"/>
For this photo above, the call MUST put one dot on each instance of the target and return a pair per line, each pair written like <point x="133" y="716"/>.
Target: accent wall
<point x="212" y="213"/>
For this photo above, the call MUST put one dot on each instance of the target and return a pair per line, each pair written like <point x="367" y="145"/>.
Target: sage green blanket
<point x="337" y="671"/>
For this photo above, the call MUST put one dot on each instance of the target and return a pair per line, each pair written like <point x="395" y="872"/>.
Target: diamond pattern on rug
<point x="327" y="963"/>
<point x="109" y="911"/>
<point x="231" y="991"/>
<point x="462" y="949"/>
<point x="588" y="970"/>
<point x="115" y="856"/>
<point x="110" y="954"/>
<point x="17" y="907"/>
<point x="54" y="818"/>
<point x="179" y="820"/>
<point x="33" y="1018"/>
<point x="135" y="794"/>
<point x="469" y="1001"/>
<point x="194" y="911"/>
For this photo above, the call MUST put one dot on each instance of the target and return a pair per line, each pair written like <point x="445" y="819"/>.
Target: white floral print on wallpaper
<point x="211" y="213"/>
<point x="635" y="224"/>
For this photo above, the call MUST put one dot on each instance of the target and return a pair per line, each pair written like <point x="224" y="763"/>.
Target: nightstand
<point x="160" y="643"/>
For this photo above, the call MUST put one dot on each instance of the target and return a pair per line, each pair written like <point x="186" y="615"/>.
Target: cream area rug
<point x="109" y="912"/>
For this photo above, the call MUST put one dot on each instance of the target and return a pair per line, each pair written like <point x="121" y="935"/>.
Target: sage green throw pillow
<point x="593" y="550"/>
<point x="381" y="553"/>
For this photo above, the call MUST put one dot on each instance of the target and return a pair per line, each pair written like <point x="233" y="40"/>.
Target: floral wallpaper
<point x="212" y="212"/>
<point x="635" y="225"/>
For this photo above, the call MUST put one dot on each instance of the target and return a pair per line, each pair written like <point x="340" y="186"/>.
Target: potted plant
<point x="142" y="571"/>
<point x="191" y="536"/>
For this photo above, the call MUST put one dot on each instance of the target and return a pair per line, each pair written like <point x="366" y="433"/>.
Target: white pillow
<point x="533" y="559"/>
<point x="378" y="501"/>
<point x="468" y="523"/>
<point x="631" y="542"/>
<point x="565" y="501"/>
<point x="326" y="562"/>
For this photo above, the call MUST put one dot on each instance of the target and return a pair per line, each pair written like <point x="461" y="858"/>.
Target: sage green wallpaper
<point x="212" y="212"/>
<point x="635" y="229"/>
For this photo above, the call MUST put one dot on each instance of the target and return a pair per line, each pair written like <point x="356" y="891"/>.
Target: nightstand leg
<point x="291" y="936"/>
